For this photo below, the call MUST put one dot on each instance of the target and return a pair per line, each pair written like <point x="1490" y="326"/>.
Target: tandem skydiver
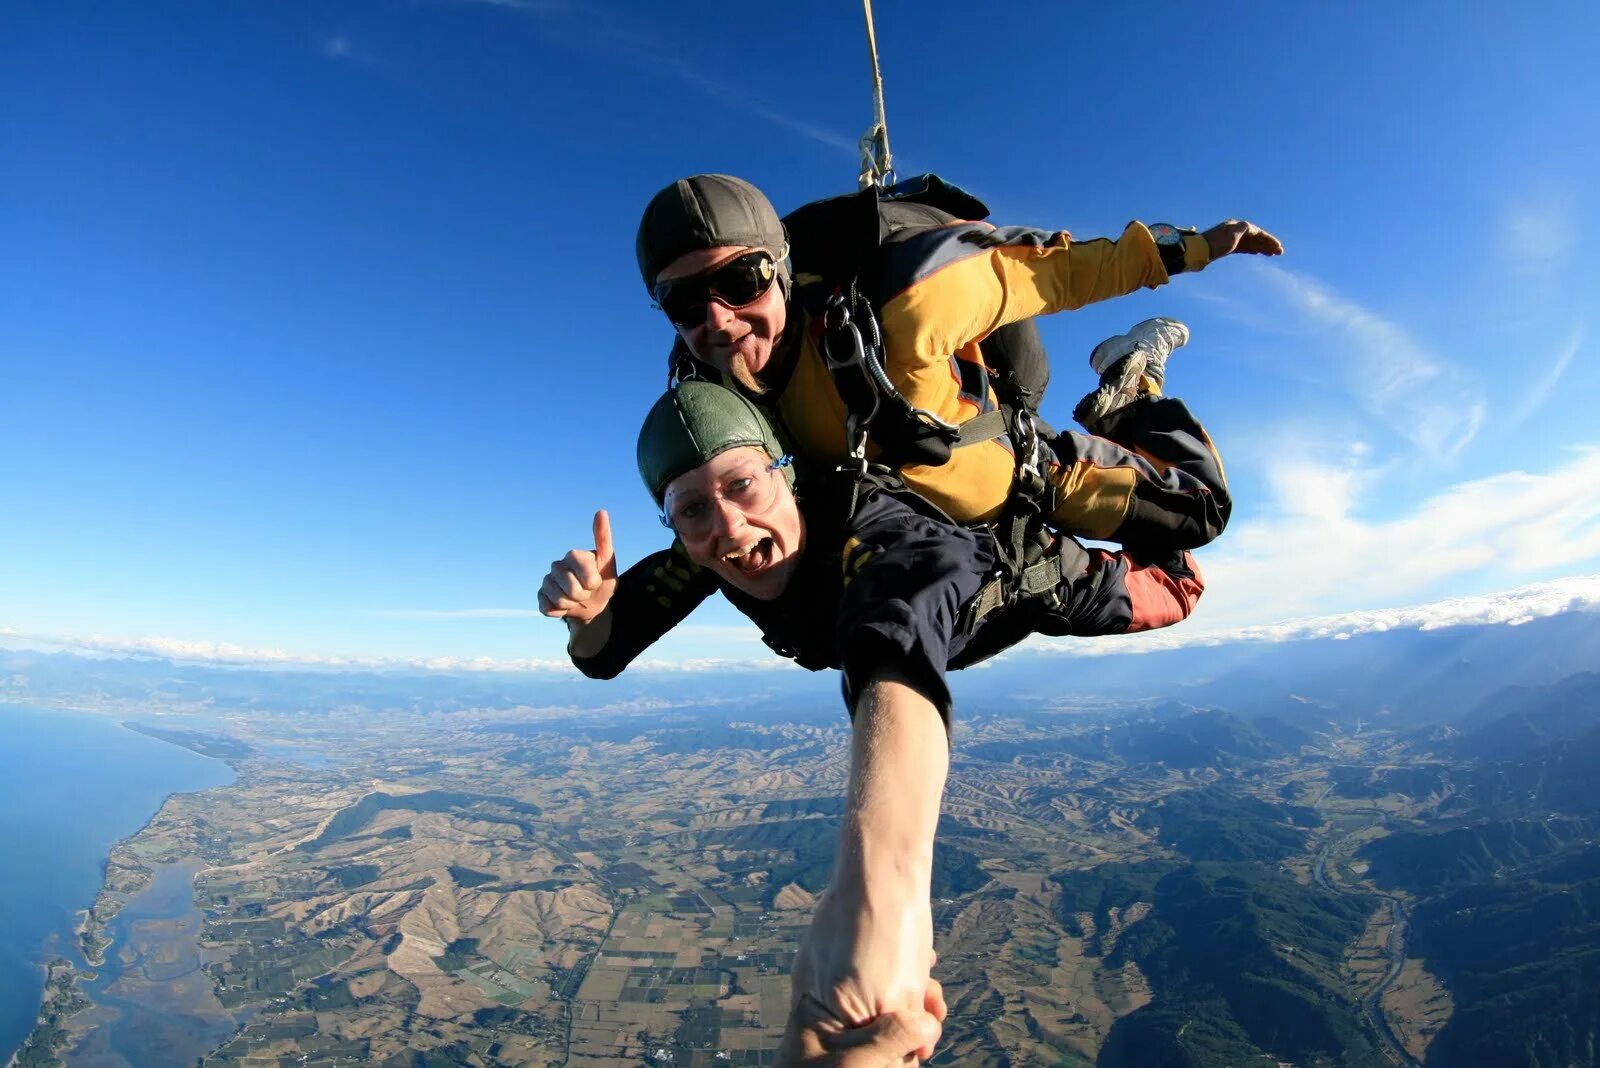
<point x="894" y="593"/>
<point x="712" y="253"/>
<point x="898" y="591"/>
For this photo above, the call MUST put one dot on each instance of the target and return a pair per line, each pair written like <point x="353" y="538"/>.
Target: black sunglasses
<point x="740" y="281"/>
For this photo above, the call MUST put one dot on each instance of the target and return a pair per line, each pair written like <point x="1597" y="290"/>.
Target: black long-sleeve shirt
<point x="888" y="591"/>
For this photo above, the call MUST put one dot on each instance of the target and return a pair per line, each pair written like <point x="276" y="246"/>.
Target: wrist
<point x="878" y="896"/>
<point x="587" y="639"/>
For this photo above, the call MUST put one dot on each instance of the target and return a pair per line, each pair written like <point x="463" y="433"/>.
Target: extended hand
<point x="1236" y="235"/>
<point x="814" y="1038"/>
<point x="580" y="584"/>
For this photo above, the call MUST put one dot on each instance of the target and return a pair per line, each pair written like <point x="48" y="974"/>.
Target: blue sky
<point x="320" y="330"/>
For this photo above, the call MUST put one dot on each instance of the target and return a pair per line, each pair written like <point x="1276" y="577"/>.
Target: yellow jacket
<point x="940" y="293"/>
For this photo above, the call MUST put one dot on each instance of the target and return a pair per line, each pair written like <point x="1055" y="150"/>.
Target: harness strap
<point x="1040" y="580"/>
<point x="985" y="427"/>
<point x="1043" y="577"/>
<point x="990" y="597"/>
<point x="852" y="350"/>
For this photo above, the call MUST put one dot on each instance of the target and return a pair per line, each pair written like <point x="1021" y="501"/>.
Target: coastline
<point x="124" y="874"/>
<point x="62" y="999"/>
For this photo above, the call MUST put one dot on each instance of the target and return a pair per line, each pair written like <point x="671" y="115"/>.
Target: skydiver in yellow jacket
<point x="711" y="251"/>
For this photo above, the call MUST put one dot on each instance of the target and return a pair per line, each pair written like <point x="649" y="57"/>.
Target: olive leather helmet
<point x="693" y="422"/>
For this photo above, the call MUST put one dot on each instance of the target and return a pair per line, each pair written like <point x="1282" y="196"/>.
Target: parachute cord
<point x="877" y="165"/>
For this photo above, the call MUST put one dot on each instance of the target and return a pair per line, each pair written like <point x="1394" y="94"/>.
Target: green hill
<point x="1521" y="956"/>
<point x="1242" y="961"/>
<point x="1216" y="823"/>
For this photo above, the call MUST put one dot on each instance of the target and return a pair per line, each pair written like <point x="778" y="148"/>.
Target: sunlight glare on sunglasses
<point x="737" y="283"/>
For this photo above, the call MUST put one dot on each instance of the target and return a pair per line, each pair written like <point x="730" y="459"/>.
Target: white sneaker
<point x="1130" y="366"/>
<point x="1156" y="337"/>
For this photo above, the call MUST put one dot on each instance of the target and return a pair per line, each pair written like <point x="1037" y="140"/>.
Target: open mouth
<point x="751" y="559"/>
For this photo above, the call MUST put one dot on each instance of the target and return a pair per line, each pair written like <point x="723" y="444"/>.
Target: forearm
<point x="1017" y="274"/>
<point x="900" y="757"/>
<point x="870" y="946"/>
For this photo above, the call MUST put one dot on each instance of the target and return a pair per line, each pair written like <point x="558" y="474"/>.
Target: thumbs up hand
<point x="580" y="584"/>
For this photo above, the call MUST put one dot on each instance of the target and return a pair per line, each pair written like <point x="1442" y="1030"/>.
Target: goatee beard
<point x="745" y="377"/>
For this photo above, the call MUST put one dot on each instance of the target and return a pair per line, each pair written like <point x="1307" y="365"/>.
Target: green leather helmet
<point x="693" y="422"/>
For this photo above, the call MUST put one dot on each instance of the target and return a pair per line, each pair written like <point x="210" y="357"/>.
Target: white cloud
<point x="527" y="7"/>
<point x="1316" y="553"/>
<point x="340" y="47"/>
<point x="1539" y="389"/>
<point x="621" y="42"/>
<point x="1313" y="556"/>
<point x="1576" y="594"/>
<point x="1309" y="490"/>
<point x="1434" y="405"/>
<point x="1539" y="233"/>
<point x="1580" y="593"/>
<point x="232" y="654"/>
<point x="727" y="93"/>
<point x="719" y="632"/>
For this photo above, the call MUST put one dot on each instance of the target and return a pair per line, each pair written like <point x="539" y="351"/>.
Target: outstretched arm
<point x="948" y="288"/>
<point x="907" y="573"/>
<point x="870" y="947"/>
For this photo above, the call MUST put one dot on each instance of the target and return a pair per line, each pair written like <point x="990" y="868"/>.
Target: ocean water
<point x="71" y="785"/>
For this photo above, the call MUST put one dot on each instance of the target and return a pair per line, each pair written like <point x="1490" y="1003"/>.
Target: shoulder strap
<point x="852" y="350"/>
<point x="985" y="427"/>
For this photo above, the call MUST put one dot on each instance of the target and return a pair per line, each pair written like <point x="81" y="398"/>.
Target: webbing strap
<point x="1042" y="580"/>
<point x="992" y="596"/>
<point x="985" y="427"/>
<point x="1043" y="577"/>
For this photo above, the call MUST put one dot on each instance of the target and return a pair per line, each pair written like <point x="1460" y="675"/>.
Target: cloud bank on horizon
<point x="1579" y="593"/>
<point x="1317" y="554"/>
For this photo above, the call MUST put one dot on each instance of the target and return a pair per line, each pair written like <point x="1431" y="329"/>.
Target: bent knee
<point x="1159" y="596"/>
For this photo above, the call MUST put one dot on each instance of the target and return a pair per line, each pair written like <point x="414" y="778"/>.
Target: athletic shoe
<point x="1130" y="366"/>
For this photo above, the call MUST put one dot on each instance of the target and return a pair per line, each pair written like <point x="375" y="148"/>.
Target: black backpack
<point x="834" y="244"/>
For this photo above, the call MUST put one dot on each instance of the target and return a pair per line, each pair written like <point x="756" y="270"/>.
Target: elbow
<point x="598" y="669"/>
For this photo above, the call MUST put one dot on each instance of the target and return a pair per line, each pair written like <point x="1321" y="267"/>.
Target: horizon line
<point x="1578" y="593"/>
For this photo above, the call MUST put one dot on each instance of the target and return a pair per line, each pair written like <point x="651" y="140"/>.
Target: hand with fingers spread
<point x="580" y="584"/>
<point x="1236" y="235"/>
<point x="815" y="1038"/>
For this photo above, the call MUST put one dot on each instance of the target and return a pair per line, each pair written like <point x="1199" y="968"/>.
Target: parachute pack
<point x="834" y="244"/>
